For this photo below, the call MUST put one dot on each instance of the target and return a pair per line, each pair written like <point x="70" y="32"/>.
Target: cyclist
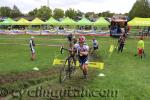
<point x="32" y="45"/>
<point x="69" y="37"/>
<point x="82" y="52"/>
<point x="74" y="40"/>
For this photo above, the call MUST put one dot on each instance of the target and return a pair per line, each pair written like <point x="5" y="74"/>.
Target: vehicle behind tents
<point x="118" y="26"/>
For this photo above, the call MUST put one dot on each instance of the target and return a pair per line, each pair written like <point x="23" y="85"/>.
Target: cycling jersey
<point x="83" y="59"/>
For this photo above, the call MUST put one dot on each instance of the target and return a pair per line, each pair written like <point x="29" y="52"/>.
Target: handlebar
<point x="62" y="48"/>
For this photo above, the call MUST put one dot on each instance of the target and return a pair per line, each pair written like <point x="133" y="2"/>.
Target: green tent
<point x="8" y="21"/>
<point x="68" y="21"/>
<point x="101" y="22"/>
<point x="52" y="21"/>
<point x="23" y="21"/>
<point x="139" y="22"/>
<point x="84" y="22"/>
<point x="37" y="21"/>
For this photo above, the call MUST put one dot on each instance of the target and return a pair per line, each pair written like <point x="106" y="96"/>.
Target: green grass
<point x="123" y="72"/>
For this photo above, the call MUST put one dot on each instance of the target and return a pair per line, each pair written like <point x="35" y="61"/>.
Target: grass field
<point x="124" y="72"/>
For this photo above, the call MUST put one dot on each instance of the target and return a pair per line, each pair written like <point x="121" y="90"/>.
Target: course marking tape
<point x="99" y="65"/>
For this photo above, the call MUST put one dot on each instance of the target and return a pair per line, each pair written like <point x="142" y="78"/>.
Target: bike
<point x="69" y="66"/>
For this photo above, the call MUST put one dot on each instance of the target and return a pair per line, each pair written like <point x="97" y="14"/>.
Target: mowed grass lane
<point x="125" y="72"/>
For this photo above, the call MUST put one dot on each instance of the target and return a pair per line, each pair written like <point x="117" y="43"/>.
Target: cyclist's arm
<point x="84" y="53"/>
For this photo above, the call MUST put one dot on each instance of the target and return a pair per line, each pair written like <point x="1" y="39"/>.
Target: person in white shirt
<point x="32" y="45"/>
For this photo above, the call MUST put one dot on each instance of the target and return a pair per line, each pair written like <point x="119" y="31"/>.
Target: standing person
<point x="121" y="43"/>
<point x="95" y="45"/>
<point x="140" y="47"/>
<point x="32" y="45"/>
<point x="82" y="52"/>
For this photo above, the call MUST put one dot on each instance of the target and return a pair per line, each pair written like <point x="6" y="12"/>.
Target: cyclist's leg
<point x="80" y="63"/>
<point x="85" y="70"/>
<point x="83" y="66"/>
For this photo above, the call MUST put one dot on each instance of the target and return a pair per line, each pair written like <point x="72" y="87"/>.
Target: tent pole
<point x="40" y="30"/>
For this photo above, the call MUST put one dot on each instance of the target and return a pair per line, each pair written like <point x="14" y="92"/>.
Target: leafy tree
<point x="58" y="13"/>
<point x="5" y="11"/>
<point x="106" y="14"/>
<point x="15" y="12"/>
<point x="33" y="12"/>
<point x="141" y="8"/>
<point x="79" y="13"/>
<point x="71" y="13"/>
<point x="44" y="12"/>
<point x="89" y="14"/>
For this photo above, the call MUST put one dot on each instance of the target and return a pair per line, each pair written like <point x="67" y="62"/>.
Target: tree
<point x="15" y="12"/>
<point x="33" y="12"/>
<point x="141" y="8"/>
<point x="89" y="14"/>
<point x="44" y="12"/>
<point x="58" y="13"/>
<point x="106" y="14"/>
<point x="79" y="13"/>
<point x="71" y="13"/>
<point x="5" y="11"/>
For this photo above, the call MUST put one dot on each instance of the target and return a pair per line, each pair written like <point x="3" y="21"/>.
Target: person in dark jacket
<point x="121" y="43"/>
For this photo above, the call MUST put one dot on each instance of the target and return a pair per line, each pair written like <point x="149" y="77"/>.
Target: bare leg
<point x="85" y="69"/>
<point x="33" y="57"/>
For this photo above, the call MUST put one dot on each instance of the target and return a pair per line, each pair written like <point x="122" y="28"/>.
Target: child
<point x="140" y="47"/>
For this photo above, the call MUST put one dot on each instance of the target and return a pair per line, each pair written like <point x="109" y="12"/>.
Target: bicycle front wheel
<point x="63" y="72"/>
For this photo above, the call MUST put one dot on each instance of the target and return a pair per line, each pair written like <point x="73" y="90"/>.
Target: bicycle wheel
<point x="64" y="72"/>
<point x="72" y="65"/>
<point x="68" y="68"/>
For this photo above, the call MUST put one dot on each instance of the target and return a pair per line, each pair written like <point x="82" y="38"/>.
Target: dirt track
<point x="4" y="79"/>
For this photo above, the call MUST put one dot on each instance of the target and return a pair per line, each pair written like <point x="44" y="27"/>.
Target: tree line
<point x="141" y="8"/>
<point x="45" y="12"/>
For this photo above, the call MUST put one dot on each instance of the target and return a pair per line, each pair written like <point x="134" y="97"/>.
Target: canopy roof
<point x="84" y="22"/>
<point x="139" y="22"/>
<point x="101" y="22"/>
<point x="23" y="21"/>
<point x="52" y="21"/>
<point x="67" y="21"/>
<point x="37" y="21"/>
<point x="8" y="21"/>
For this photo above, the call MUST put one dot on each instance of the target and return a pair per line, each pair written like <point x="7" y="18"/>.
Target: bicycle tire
<point x="63" y="72"/>
<point x="67" y="70"/>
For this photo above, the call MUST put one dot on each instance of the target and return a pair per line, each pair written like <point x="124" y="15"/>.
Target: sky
<point x="116" y="6"/>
